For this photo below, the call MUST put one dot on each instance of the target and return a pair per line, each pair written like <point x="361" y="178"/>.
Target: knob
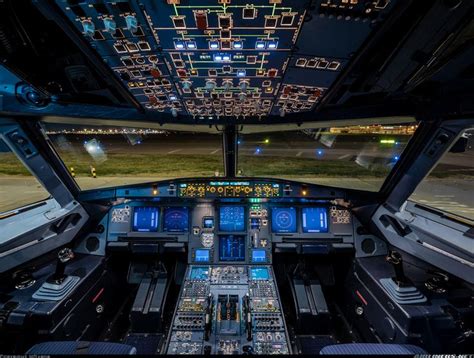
<point x="88" y="27"/>
<point x="132" y="23"/>
<point x="110" y="25"/>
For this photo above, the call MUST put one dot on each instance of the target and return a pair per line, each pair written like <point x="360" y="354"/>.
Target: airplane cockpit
<point x="236" y="177"/>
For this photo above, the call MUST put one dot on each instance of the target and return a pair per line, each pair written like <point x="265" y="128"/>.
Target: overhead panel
<point x="226" y="58"/>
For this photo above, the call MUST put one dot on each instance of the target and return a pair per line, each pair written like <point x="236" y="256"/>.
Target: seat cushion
<point x="80" y="347"/>
<point x="371" y="349"/>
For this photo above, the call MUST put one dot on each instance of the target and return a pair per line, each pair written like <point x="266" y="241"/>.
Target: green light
<point x="255" y="200"/>
<point x="267" y="141"/>
<point x="387" y="141"/>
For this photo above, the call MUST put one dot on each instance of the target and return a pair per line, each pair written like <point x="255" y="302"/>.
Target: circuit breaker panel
<point x="226" y="58"/>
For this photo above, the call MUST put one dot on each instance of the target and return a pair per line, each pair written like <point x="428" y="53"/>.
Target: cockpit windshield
<point x="353" y="157"/>
<point x="107" y="156"/>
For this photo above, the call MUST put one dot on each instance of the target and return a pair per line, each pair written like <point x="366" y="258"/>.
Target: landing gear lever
<point x="64" y="256"/>
<point x="396" y="260"/>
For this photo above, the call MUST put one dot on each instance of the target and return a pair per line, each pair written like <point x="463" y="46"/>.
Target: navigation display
<point x="315" y="220"/>
<point x="201" y="255"/>
<point x="176" y="219"/>
<point x="232" y="218"/>
<point x="232" y="248"/>
<point x="284" y="220"/>
<point x="259" y="256"/>
<point x="145" y="219"/>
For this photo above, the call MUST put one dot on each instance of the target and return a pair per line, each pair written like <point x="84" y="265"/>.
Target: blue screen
<point x="315" y="220"/>
<point x="284" y="220"/>
<point x="201" y="255"/>
<point x="231" y="218"/>
<point x="259" y="256"/>
<point x="199" y="273"/>
<point x="232" y="248"/>
<point x="208" y="222"/>
<point x="259" y="273"/>
<point x="176" y="219"/>
<point x="145" y="219"/>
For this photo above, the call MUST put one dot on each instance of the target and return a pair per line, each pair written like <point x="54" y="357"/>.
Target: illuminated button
<point x="260" y="45"/>
<point x="191" y="45"/>
<point x="179" y="45"/>
<point x="238" y="44"/>
<point x="220" y="189"/>
<point x="214" y="45"/>
<point x="272" y="45"/>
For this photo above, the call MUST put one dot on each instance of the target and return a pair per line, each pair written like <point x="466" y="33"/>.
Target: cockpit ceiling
<point x="213" y="59"/>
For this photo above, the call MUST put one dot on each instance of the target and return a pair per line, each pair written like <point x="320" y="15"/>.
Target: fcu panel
<point x="233" y="58"/>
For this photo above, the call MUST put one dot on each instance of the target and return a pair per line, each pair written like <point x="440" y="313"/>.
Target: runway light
<point x="396" y="157"/>
<point x="258" y="151"/>
<point x="238" y="142"/>
<point x="320" y="152"/>
<point x="267" y="141"/>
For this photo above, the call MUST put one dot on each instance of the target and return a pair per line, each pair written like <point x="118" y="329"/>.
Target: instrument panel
<point x="231" y="232"/>
<point x="232" y="58"/>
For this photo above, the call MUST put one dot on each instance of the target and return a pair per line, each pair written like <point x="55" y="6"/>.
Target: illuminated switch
<point x="201" y="20"/>
<point x="272" y="73"/>
<point x="214" y="45"/>
<point x="272" y="45"/>
<point x="155" y="73"/>
<point x="110" y="25"/>
<point x="132" y="23"/>
<point x="179" y="45"/>
<point x="191" y="45"/>
<point x="238" y="45"/>
<point x="88" y="27"/>
<point x="153" y="100"/>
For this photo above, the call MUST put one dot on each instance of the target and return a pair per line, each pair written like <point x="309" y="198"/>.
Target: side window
<point x="18" y="187"/>
<point x="450" y="185"/>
